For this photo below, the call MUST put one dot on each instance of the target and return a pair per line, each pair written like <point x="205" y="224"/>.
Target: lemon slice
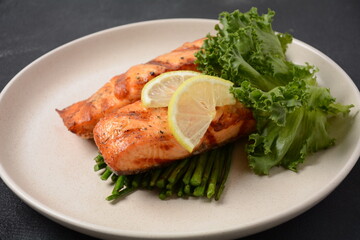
<point x="193" y="106"/>
<point x="158" y="91"/>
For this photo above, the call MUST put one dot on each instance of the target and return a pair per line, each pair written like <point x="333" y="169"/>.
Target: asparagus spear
<point x="154" y="176"/>
<point x="145" y="182"/>
<point x="188" y="189"/>
<point x="189" y="172"/>
<point x="161" y="182"/>
<point x="177" y="173"/>
<point x="135" y="183"/>
<point x="200" y="167"/>
<point x="106" y="173"/>
<point x="114" y="177"/>
<point x="205" y="172"/>
<point x="218" y="163"/>
<point x="162" y="194"/>
<point x="99" y="166"/>
<point x="99" y="158"/>
<point x="228" y="159"/>
<point x="180" y="192"/>
<point x="199" y="190"/>
<point x="119" y="184"/>
<point x="122" y="193"/>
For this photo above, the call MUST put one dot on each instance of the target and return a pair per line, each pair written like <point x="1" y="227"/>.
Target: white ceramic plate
<point x="52" y="169"/>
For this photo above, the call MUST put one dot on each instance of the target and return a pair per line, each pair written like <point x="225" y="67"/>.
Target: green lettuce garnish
<point x="292" y="111"/>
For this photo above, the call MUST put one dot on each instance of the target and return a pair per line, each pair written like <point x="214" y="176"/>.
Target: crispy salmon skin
<point x="81" y="117"/>
<point x="135" y="139"/>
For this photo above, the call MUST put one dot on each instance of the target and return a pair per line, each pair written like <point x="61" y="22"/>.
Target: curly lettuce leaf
<point x="246" y="48"/>
<point x="292" y="122"/>
<point x="291" y="110"/>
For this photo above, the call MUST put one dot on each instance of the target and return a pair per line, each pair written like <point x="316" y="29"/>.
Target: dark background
<point x="29" y="29"/>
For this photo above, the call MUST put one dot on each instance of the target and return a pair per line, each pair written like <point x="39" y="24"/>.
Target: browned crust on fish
<point x="135" y="139"/>
<point x="81" y="117"/>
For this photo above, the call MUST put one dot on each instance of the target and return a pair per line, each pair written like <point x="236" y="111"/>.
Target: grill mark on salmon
<point x="81" y="117"/>
<point x="145" y="141"/>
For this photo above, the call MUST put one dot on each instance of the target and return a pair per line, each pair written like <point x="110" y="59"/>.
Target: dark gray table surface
<point x="29" y="29"/>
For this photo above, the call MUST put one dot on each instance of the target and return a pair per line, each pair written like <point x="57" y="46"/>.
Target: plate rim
<point x="96" y="230"/>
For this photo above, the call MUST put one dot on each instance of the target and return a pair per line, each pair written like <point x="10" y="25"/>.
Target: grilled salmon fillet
<point x="81" y="117"/>
<point x="135" y="139"/>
